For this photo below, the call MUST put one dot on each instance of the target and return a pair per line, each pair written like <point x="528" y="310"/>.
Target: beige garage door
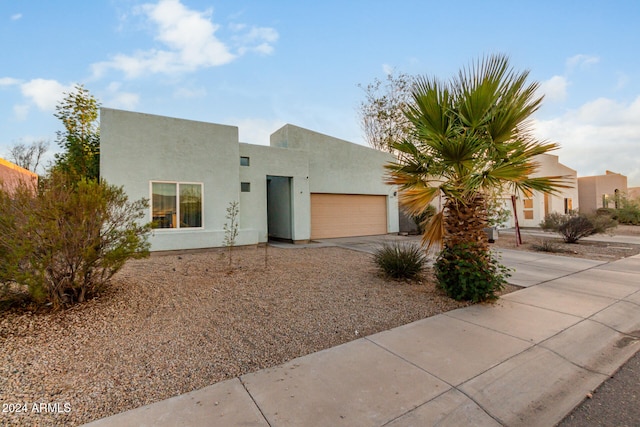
<point x="346" y="215"/>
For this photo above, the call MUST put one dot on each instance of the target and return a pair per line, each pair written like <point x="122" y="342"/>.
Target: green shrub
<point x="400" y="260"/>
<point x="573" y="227"/>
<point x="576" y="228"/>
<point x="466" y="272"/>
<point x="553" y="221"/>
<point x="629" y="212"/>
<point x="65" y="243"/>
<point x="610" y="212"/>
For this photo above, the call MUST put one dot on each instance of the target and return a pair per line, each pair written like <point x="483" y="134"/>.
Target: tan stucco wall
<point x="593" y="188"/>
<point x="549" y="166"/>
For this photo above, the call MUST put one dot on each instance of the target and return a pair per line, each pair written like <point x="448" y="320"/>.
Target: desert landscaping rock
<point x="175" y="323"/>
<point x="178" y="322"/>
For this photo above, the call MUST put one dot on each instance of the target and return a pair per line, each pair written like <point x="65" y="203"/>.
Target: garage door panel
<point x="346" y="215"/>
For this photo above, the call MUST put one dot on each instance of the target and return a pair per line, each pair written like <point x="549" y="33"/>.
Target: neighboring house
<point x="304" y="186"/>
<point x="533" y="207"/>
<point x="601" y="191"/>
<point x="11" y="175"/>
<point x="633" y="193"/>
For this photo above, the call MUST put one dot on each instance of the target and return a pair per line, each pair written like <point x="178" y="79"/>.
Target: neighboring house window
<point x="245" y="187"/>
<point x="568" y="205"/>
<point x="528" y="205"/>
<point x="244" y="161"/>
<point x="176" y="205"/>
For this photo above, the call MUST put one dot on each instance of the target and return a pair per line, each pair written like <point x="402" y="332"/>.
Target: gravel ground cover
<point x="174" y="323"/>
<point x="603" y="251"/>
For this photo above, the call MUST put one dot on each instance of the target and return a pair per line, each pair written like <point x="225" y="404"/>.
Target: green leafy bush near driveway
<point x="64" y="242"/>
<point x="400" y="260"/>
<point x="464" y="275"/>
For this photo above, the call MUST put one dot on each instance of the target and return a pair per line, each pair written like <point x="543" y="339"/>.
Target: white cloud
<point x="256" y="131"/>
<point x="601" y="134"/>
<point x="126" y="100"/>
<point x="121" y="99"/>
<point x="255" y="39"/>
<point x="189" y="43"/>
<point x="581" y="61"/>
<point x="554" y="89"/>
<point x="387" y="69"/>
<point x="44" y="93"/>
<point x="16" y="16"/>
<point x="8" y="81"/>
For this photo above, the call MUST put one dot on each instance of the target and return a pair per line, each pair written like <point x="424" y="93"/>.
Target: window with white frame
<point x="176" y="204"/>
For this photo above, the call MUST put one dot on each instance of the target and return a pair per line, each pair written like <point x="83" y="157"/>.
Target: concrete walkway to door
<point x="526" y="360"/>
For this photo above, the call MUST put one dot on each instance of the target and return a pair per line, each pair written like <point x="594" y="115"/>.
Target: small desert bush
<point x="466" y="273"/>
<point x="546" y="246"/>
<point x="629" y="212"/>
<point x="63" y="243"/>
<point x="573" y="227"/>
<point x="400" y="260"/>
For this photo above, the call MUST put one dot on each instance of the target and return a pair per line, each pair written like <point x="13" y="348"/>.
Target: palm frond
<point x="548" y="184"/>
<point x="434" y="232"/>
<point x="416" y="199"/>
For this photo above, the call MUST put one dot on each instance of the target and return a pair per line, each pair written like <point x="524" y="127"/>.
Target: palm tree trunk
<point x="465" y="223"/>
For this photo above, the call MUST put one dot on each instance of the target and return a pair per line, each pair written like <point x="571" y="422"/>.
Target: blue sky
<point x="261" y="64"/>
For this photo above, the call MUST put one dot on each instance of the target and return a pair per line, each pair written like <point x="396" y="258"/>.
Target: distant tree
<point x="80" y="139"/>
<point x="29" y="156"/>
<point x="381" y="113"/>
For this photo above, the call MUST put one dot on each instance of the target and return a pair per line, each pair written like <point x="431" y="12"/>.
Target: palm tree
<point x="470" y="138"/>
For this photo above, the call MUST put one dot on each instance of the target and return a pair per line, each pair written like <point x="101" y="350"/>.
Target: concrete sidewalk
<point x="526" y="360"/>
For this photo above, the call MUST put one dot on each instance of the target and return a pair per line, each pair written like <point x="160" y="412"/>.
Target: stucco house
<point x="11" y="175"/>
<point x="601" y="191"/>
<point x="532" y="208"/>
<point x="303" y="186"/>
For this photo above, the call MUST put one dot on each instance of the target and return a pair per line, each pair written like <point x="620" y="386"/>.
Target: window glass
<point x="164" y="205"/>
<point x="528" y="204"/>
<point x="190" y="205"/>
<point x="176" y="205"/>
<point x="568" y="205"/>
<point x="245" y="187"/>
<point x="244" y="161"/>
